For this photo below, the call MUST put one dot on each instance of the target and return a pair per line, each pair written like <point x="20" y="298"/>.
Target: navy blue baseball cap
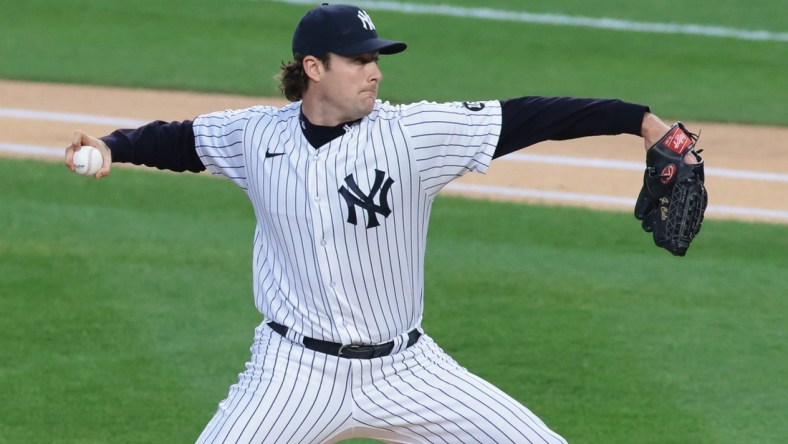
<point x="341" y="29"/>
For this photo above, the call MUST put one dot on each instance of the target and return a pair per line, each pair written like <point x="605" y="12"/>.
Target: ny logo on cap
<point x="366" y="20"/>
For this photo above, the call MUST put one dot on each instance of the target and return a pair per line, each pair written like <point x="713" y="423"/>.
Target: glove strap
<point x="678" y="139"/>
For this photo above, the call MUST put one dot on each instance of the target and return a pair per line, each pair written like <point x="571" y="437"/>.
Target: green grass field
<point x="136" y="335"/>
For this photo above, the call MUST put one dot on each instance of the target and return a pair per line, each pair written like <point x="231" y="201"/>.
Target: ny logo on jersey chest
<point x="355" y="197"/>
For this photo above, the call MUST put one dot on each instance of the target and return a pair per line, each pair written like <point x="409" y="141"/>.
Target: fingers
<point x="76" y="144"/>
<point x="106" y="155"/>
<point x="691" y="158"/>
<point x="79" y="139"/>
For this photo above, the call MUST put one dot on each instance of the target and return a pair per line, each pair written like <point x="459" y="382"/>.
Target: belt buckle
<point x="355" y="348"/>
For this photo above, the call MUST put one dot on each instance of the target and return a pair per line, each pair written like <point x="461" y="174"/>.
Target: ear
<point x="313" y="68"/>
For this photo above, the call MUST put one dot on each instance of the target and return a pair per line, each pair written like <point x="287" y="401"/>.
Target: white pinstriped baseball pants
<point x="290" y="394"/>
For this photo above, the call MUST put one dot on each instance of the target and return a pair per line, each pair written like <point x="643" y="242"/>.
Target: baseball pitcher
<point x="342" y="185"/>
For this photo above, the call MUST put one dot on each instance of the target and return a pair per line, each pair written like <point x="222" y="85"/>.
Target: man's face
<point x="350" y="85"/>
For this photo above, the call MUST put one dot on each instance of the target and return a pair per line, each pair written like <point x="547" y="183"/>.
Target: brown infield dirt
<point x="748" y="148"/>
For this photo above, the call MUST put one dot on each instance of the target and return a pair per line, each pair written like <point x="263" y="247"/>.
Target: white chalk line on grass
<point x="584" y="198"/>
<point x="563" y="20"/>
<point x="17" y="113"/>
<point x="504" y="192"/>
<point x="585" y="162"/>
<point x="31" y="150"/>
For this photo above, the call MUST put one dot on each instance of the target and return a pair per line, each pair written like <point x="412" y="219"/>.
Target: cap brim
<point x="372" y="45"/>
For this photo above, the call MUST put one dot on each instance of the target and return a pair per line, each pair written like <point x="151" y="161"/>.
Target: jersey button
<point x="323" y="242"/>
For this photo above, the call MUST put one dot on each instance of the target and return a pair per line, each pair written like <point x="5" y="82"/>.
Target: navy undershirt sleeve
<point x="530" y="120"/>
<point x="164" y="145"/>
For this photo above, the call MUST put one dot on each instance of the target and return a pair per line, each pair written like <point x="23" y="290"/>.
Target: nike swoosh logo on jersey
<point x="270" y="154"/>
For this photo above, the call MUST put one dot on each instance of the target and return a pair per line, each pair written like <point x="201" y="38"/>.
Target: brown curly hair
<point x="293" y="81"/>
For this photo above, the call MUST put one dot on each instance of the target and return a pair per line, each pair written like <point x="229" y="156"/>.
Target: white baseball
<point x="87" y="161"/>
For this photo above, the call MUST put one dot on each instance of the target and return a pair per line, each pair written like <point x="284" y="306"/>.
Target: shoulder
<point x="384" y="111"/>
<point x="388" y="111"/>
<point x="427" y="109"/>
<point x="440" y="113"/>
<point x="256" y="112"/>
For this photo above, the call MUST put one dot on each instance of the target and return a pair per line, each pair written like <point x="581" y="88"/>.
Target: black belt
<point x="353" y="351"/>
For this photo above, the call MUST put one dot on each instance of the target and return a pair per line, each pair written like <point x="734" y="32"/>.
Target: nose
<point x="376" y="75"/>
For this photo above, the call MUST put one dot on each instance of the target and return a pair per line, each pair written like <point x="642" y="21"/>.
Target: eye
<point x="364" y="59"/>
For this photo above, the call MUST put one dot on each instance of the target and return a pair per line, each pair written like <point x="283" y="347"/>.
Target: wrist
<point x="652" y="129"/>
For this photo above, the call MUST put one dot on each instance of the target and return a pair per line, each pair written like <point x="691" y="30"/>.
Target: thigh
<point x="427" y="397"/>
<point x="287" y="394"/>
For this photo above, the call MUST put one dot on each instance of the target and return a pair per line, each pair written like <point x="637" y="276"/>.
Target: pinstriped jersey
<point x="341" y="229"/>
